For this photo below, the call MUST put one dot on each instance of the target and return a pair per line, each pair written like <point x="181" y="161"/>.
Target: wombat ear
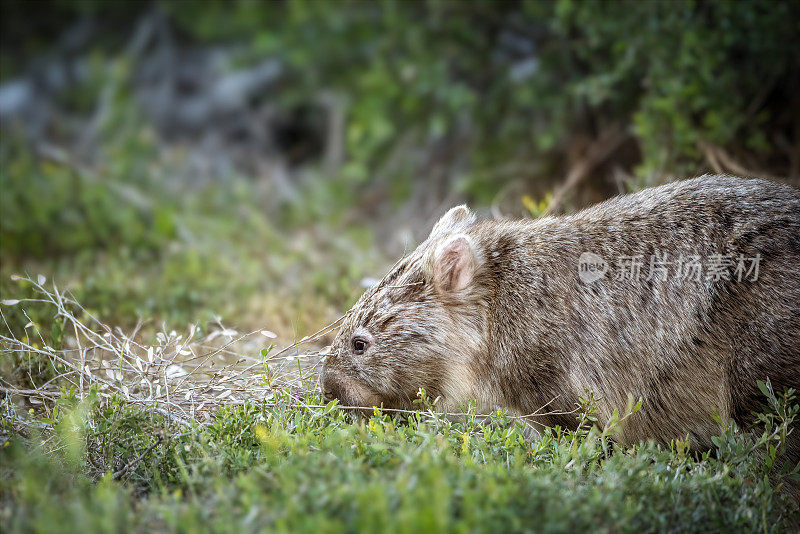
<point x="453" y="264"/>
<point x="457" y="219"/>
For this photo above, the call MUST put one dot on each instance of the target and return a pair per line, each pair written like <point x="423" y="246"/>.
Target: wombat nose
<point x="328" y="391"/>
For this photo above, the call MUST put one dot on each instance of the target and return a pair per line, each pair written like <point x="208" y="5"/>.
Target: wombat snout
<point x="347" y="390"/>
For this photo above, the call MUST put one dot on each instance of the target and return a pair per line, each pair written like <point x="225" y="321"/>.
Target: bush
<point x="522" y="85"/>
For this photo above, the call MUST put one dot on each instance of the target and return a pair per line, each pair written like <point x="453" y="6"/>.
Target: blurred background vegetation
<point x="177" y="161"/>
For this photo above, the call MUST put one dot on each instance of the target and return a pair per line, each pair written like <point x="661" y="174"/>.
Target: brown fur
<point x="496" y="312"/>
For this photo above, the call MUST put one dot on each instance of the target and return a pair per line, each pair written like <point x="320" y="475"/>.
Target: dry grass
<point x="184" y="376"/>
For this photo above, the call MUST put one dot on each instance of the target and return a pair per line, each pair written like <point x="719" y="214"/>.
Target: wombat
<point x="684" y="295"/>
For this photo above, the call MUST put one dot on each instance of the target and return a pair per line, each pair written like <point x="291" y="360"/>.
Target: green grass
<point x="286" y="467"/>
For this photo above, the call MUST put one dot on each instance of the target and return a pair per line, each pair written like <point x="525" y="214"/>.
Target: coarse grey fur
<point x="496" y="311"/>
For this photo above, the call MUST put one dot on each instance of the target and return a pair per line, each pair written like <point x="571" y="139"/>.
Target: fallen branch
<point x="133" y="463"/>
<point x="597" y="153"/>
<point x="722" y="162"/>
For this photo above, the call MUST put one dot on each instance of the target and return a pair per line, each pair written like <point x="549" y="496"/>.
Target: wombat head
<point x="419" y="327"/>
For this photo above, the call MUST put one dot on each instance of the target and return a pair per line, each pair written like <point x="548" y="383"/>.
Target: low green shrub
<point x="286" y="467"/>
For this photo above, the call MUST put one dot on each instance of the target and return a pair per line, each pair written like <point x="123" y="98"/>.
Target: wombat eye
<point x="359" y="345"/>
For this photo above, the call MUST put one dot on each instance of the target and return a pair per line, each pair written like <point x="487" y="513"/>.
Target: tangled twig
<point x="178" y="376"/>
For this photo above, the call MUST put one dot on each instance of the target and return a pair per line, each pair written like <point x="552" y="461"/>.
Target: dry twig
<point x="599" y="151"/>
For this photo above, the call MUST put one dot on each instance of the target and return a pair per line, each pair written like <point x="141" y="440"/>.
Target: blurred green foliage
<point x="678" y="73"/>
<point x="129" y="244"/>
<point x="50" y="209"/>
<point x="511" y="83"/>
<point x="497" y="91"/>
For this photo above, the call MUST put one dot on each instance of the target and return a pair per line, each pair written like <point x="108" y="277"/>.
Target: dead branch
<point x="722" y="162"/>
<point x="605" y="145"/>
<point x="133" y="463"/>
